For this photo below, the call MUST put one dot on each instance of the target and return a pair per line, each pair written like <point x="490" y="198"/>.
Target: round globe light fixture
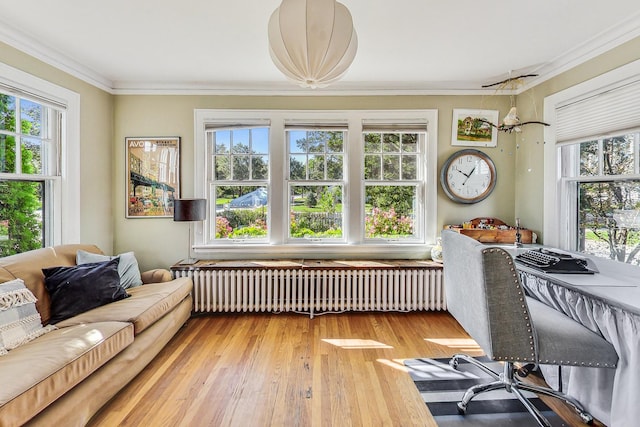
<point x="312" y="42"/>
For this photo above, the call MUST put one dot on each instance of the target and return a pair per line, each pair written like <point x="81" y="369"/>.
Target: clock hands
<point x="467" y="176"/>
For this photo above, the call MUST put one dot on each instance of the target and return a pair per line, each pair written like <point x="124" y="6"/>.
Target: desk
<point x="607" y="302"/>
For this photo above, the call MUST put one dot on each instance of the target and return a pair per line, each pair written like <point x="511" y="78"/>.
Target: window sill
<point x="324" y="251"/>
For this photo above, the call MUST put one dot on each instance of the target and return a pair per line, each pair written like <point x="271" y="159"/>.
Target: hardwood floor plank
<point x="268" y="369"/>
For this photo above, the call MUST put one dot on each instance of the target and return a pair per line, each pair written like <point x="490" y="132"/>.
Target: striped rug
<point x="442" y="387"/>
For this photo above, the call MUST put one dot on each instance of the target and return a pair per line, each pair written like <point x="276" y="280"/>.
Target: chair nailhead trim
<point x="514" y="275"/>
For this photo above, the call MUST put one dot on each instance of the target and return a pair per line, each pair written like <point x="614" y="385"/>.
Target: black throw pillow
<point x="77" y="289"/>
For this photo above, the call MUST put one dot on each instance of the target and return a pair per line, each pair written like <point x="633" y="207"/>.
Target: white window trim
<point x="66" y="209"/>
<point x="278" y="247"/>
<point x="556" y="209"/>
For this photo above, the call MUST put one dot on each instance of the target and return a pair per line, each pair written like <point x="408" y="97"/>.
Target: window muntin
<point x="239" y="184"/>
<point x="606" y="205"/>
<point x="392" y="185"/>
<point x="316" y="186"/>
<point x="28" y="170"/>
<point x="352" y="122"/>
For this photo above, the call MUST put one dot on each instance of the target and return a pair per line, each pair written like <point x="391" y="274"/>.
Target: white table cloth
<point x="608" y="303"/>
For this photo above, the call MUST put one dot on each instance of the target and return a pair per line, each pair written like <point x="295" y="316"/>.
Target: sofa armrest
<point x="156" y="275"/>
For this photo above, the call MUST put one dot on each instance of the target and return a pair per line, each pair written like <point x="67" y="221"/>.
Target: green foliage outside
<point x="241" y="223"/>
<point x="20" y="201"/>
<point x="258" y="229"/>
<point x="315" y="225"/>
<point x="310" y="225"/>
<point x="316" y="209"/>
<point x="600" y="203"/>
<point x="311" y="201"/>
<point x="302" y="208"/>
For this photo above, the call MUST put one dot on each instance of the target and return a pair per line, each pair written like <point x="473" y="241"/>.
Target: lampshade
<point x="189" y="209"/>
<point x="312" y="42"/>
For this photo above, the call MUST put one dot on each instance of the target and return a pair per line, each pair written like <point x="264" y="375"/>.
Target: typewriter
<point x="554" y="262"/>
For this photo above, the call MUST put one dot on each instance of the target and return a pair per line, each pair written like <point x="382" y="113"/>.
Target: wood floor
<point x="289" y="370"/>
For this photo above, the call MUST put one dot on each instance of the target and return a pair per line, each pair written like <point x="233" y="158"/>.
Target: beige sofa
<point x="65" y="376"/>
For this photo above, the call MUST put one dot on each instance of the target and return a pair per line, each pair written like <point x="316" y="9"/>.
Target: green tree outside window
<point x="20" y="200"/>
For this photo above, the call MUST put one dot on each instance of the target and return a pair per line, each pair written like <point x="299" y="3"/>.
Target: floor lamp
<point x="189" y="210"/>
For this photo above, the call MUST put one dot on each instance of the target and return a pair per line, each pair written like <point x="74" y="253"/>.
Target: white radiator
<point x="316" y="291"/>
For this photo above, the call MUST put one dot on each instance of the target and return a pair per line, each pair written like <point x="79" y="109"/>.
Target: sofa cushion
<point x="39" y="372"/>
<point x="147" y="304"/>
<point x="77" y="289"/>
<point x="27" y="266"/>
<point x="127" y="267"/>
<point x="156" y="275"/>
<point x="19" y="320"/>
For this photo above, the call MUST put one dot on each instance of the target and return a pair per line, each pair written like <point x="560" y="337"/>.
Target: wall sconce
<point x="189" y="210"/>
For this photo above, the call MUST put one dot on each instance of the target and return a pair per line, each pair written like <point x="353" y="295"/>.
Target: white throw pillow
<point x="20" y="322"/>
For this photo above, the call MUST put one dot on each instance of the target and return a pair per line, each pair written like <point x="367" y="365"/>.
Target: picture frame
<point x="468" y="130"/>
<point x="153" y="176"/>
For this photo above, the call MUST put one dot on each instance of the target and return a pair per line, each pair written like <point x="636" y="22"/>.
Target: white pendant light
<point x="312" y="42"/>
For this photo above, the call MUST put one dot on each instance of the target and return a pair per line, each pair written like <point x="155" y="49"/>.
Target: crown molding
<point x="602" y="42"/>
<point x="289" y="89"/>
<point x="26" y="44"/>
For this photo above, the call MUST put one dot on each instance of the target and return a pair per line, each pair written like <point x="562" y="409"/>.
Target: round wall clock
<point x="468" y="176"/>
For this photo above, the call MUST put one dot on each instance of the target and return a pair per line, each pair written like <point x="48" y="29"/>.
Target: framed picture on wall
<point x="470" y="128"/>
<point x="153" y="176"/>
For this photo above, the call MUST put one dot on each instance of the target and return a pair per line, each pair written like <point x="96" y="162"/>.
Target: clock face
<point x="468" y="176"/>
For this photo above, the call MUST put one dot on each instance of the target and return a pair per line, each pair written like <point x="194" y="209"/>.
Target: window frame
<point x="354" y="245"/>
<point x="62" y="190"/>
<point x="419" y="182"/>
<point x="213" y="183"/>
<point x="309" y="181"/>
<point x="560" y="194"/>
<point x="571" y="179"/>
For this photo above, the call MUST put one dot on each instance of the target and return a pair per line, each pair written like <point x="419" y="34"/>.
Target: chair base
<point x="506" y="380"/>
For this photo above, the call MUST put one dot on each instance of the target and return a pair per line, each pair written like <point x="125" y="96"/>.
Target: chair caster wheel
<point x="525" y="370"/>
<point x="462" y="409"/>
<point x="586" y="418"/>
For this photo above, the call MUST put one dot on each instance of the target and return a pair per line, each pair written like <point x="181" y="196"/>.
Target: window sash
<point x="279" y="243"/>
<point x="571" y="181"/>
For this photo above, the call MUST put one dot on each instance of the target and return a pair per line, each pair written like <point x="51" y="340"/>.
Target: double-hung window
<point x="239" y="183"/>
<point x="393" y="183"/>
<point x="595" y="146"/>
<point x="602" y="178"/>
<point x="39" y="163"/>
<point x="316" y="183"/>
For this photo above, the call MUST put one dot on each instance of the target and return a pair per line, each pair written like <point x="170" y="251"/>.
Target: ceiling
<point x="404" y="46"/>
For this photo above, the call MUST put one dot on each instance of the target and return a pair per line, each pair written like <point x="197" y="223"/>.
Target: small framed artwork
<point x="473" y="128"/>
<point x="153" y="176"/>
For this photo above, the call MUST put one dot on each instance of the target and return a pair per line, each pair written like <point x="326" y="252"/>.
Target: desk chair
<point x="485" y="296"/>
